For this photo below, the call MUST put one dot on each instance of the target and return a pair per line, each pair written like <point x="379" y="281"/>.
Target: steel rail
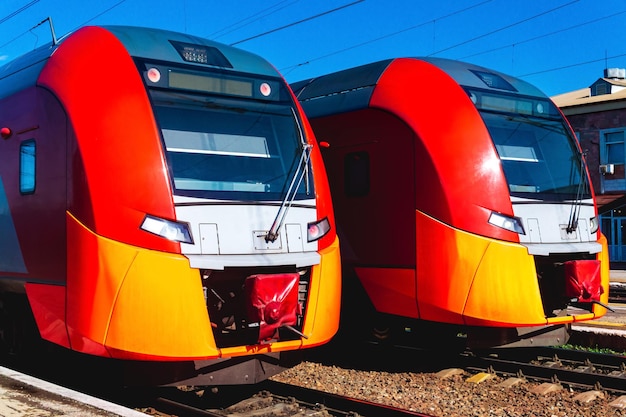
<point x="577" y="369"/>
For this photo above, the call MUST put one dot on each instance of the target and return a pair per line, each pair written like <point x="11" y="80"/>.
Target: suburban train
<point x="164" y="204"/>
<point x="463" y="205"/>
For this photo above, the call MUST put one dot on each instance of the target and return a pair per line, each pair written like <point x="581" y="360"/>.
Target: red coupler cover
<point x="583" y="280"/>
<point x="272" y="302"/>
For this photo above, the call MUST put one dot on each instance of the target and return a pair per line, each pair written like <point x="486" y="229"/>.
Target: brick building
<point x="598" y="116"/>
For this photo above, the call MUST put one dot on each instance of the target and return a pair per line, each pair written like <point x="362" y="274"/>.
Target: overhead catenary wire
<point x="99" y="14"/>
<point x="250" y="19"/>
<point x="545" y="35"/>
<point x="519" y="22"/>
<point x="287" y="69"/>
<point x="286" y="3"/>
<point x="298" y="22"/>
<point x="30" y="29"/>
<point x="389" y="35"/>
<point x="18" y="11"/>
<point x="577" y="64"/>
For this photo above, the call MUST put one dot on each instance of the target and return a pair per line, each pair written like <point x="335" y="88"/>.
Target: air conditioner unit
<point x="607" y="169"/>
<point x="615" y="73"/>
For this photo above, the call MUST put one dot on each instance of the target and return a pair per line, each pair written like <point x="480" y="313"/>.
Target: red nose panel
<point x="582" y="280"/>
<point x="273" y="302"/>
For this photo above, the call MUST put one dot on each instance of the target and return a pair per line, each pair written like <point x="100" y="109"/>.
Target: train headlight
<point x="593" y="224"/>
<point x="510" y="223"/>
<point x="317" y="230"/>
<point x="176" y="231"/>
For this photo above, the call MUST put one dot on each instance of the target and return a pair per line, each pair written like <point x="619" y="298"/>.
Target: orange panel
<point x="391" y="290"/>
<point x="160" y="308"/>
<point x="446" y="263"/>
<point x="603" y="257"/>
<point x="505" y="290"/>
<point x="92" y="283"/>
<point x="322" y="320"/>
<point x="133" y="300"/>
<point x="469" y="279"/>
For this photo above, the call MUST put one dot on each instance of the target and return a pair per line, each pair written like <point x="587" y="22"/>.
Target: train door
<point x="370" y="163"/>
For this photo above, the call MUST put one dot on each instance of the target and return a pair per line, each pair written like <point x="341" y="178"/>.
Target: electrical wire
<point x="299" y="22"/>
<point x="18" y="11"/>
<point x="250" y="19"/>
<point x="504" y="28"/>
<point x="389" y="35"/>
<point x="578" y="64"/>
<point x="577" y="26"/>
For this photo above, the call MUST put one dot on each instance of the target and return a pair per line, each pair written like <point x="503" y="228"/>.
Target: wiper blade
<point x="296" y="180"/>
<point x="574" y="214"/>
<point x="302" y="171"/>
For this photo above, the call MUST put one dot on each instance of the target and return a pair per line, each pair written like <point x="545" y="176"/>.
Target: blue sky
<point x="557" y="45"/>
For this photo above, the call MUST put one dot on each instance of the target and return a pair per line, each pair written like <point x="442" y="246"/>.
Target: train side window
<point x="357" y="174"/>
<point x="27" y="166"/>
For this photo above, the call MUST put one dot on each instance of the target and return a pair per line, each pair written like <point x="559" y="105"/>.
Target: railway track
<point x="581" y="371"/>
<point x="274" y="399"/>
<point x="578" y="369"/>
<point x="617" y="293"/>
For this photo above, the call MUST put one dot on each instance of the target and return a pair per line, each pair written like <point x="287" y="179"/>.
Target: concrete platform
<point x="22" y="395"/>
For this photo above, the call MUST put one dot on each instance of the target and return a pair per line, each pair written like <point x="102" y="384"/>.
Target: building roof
<point x="581" y="101"/>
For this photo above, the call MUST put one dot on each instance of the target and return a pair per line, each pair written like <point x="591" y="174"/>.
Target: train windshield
<point x="539" y="156"/>
<point x="231" y="147"/>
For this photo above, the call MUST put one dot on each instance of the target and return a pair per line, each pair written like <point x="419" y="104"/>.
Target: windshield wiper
<point x="296" y="180"/>
<point x="574" y="214"/>
<point x="302" y="171"/>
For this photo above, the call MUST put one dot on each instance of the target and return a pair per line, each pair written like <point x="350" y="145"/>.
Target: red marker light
<point x="265" y="89"/>
<point x="5" y="132"/>
<point x="314" y="231"/>
<point x="154" y="75"/>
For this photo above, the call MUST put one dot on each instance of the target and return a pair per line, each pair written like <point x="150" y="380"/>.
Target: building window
<point x="612" y="155"/>
<point x="614" y="146"/>
<point x="27" y="166"/>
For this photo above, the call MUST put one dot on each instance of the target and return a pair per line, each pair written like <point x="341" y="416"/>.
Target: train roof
<point x="139" y="42"/>
<point x="351" y="89"/>
<point x="148" y="43"/>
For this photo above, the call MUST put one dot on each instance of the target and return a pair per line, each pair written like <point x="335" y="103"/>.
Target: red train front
<point x="162" y="198"/>
<point x="463" y="204"/>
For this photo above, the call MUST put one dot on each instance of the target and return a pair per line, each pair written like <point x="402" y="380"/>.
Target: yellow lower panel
<point x="160" y="309"/>
<point x="468" y="279"/>
<point x="322" y="319"/>
<point x="446" y="264"/>
<point x="133" y="301"/>
<point x="505" y="290"/>
<point x="603" y="257"/>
